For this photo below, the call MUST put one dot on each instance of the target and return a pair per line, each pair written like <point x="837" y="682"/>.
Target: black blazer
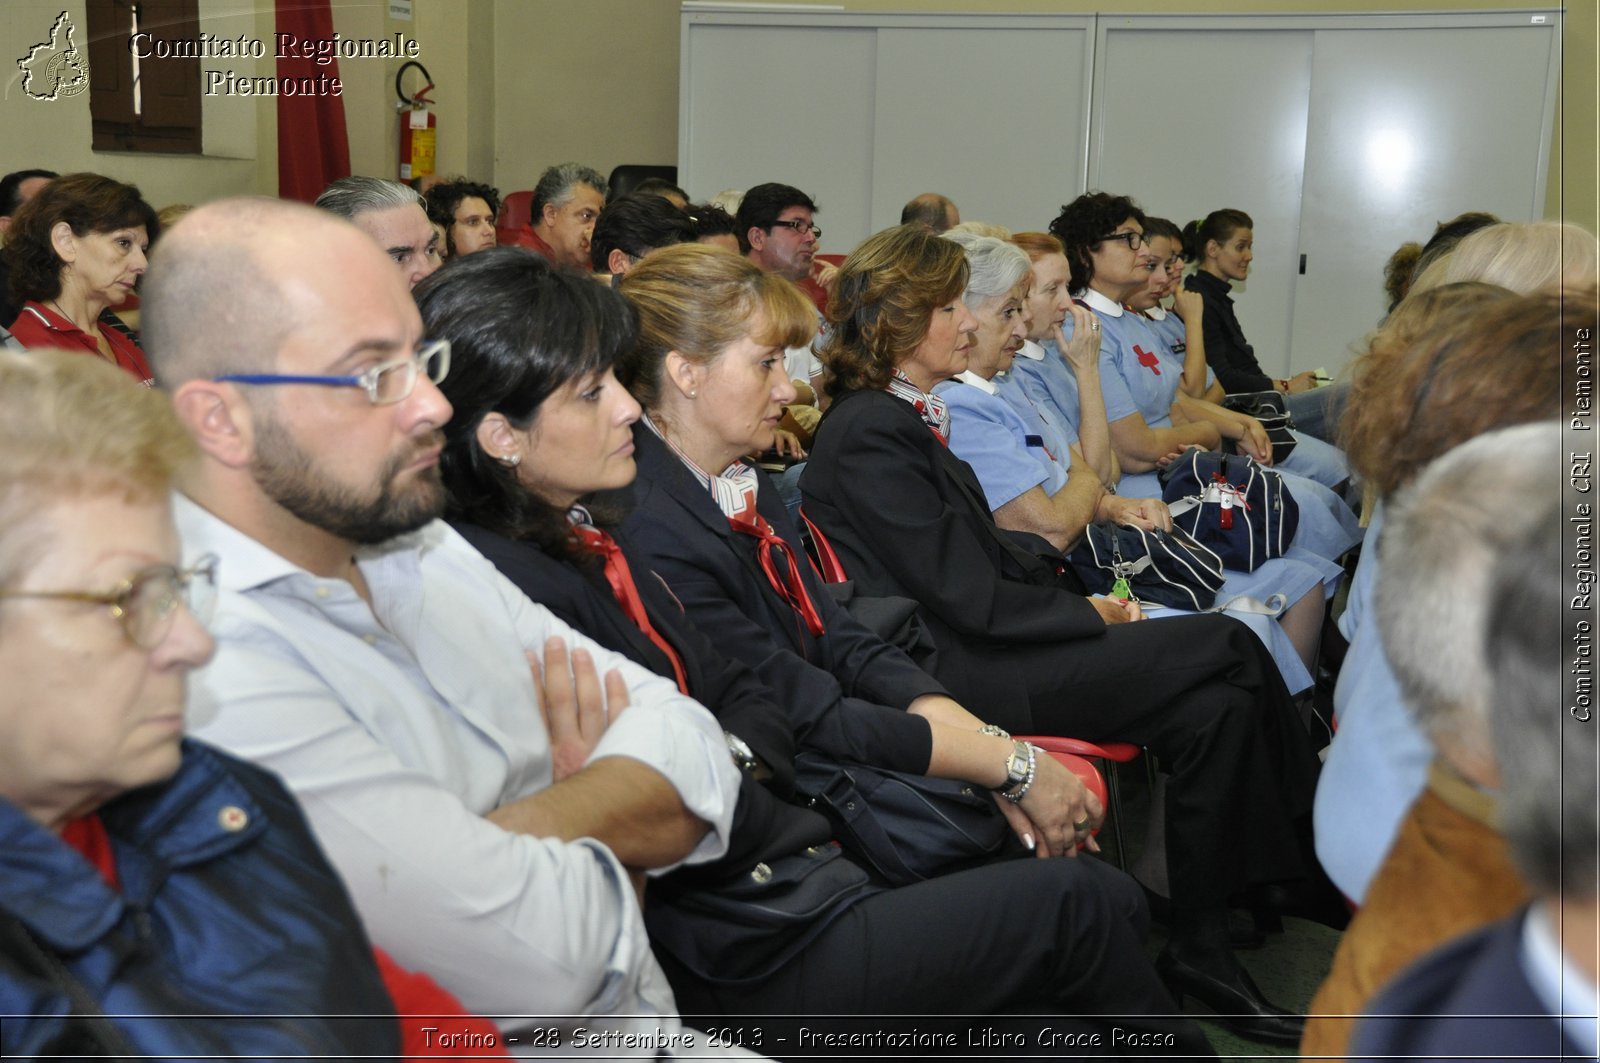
<point x="1227" y="352"/>
<point x="907" y="517"/>
<point x="845" y="691"/>
<point x="764" y="826"/>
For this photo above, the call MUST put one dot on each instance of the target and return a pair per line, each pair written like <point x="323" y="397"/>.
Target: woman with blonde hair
<point x="1523" y="257"/>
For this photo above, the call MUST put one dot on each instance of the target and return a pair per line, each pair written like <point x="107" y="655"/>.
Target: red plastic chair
<point x="515" y="218"/>
<point x="1113" y="754"/>
<point x="1087" y="774"/>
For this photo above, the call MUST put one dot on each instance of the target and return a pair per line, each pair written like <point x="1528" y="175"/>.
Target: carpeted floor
<point x="1288" y="969"/>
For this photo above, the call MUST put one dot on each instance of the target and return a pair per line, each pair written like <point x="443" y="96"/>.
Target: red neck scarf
<point x="626" y="592"/>
<point x="790" y="587"/>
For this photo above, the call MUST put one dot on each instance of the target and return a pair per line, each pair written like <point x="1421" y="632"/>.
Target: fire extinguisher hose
<point x="421" y="97"/>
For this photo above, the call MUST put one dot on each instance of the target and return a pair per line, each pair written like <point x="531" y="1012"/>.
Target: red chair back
<point x="515" y="218"/>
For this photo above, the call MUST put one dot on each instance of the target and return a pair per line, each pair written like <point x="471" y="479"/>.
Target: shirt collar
<point x="247" y="564"/>
<point x="1156" y="313"/>
<point x="1031" y="351"/>
<point x="734" y="489"/>
<point x="1565" y="991"/>
<point x="969" y="377"/>
<point x="929" y="407"/>
<point x="1100" y="304"/>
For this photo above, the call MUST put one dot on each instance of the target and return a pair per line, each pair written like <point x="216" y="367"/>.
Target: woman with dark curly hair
<point x="466" y="210"/>
<point x="75" y="249"/>
<point x="909" y="518"/>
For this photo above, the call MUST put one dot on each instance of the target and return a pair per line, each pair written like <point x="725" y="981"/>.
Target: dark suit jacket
<point x="763" y="825"/>
<point x="846" y="690"/>
<point x="907" y="517"/>
<point x="1441" y="1000"/>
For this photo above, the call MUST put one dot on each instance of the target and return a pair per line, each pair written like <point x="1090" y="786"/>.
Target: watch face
<point x="742" y="754"/>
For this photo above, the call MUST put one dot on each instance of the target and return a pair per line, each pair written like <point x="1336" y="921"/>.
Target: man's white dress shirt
<point x="401" y="725"/>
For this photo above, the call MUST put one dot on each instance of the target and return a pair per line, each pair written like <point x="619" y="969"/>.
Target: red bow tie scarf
<point x="627" y="594"/>
<point x="785" y="575"/>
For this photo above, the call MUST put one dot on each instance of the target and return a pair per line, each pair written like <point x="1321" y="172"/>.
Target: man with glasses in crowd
<point x="467" y="769"/>
<point x="777" y="232"/>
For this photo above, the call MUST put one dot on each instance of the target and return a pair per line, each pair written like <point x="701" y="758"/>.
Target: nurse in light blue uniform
<point x="1311" y="458"/>
<point x="1136" y="375"/>
<point x="1327" y="526"/>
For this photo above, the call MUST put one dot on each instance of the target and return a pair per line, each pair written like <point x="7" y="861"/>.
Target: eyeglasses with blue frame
<point x="385" y="383"/>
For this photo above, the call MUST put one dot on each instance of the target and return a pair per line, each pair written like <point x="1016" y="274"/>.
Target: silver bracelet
<point x="996" y="730"/>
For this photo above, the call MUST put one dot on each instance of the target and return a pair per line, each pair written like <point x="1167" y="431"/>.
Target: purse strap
<point x="17" y="942"/>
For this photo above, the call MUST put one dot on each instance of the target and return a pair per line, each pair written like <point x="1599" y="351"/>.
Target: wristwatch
<point x="1017" y="765"/>
<point x="744" y="758"/>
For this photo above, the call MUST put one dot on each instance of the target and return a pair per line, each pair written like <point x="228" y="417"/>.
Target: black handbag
<point x="1167" y="568"/>
<point x="1272" y="410"/>
<point x="906" y="827"/>
<point x="749" y="925"/>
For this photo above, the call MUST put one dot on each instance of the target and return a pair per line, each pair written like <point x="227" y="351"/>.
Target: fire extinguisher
<point x="419" y="130"/>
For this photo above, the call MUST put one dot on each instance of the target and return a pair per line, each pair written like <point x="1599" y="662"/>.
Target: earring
<point x="510" y="461"/>
<point x="694" y="394"/>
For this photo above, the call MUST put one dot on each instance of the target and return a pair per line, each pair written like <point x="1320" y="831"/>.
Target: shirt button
<point x="233" y="819"/>
<point x="323" y="592"/>
<point x="370" y="640"/>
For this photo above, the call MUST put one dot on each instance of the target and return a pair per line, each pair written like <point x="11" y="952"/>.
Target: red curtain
<point x="313" y="145"/>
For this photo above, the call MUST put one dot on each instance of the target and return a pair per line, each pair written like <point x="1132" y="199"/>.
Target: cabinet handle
<point x="1302" y="265"/>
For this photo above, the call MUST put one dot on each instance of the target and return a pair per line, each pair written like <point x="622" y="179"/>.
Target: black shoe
<point x="1236" y="1000"/>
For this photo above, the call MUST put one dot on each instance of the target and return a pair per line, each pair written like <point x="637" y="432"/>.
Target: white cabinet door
<point x="1196" y="117"/>
<point x="994" y="118"/>
<point x="864" y="110"/>
<point x="1410" y="127"/>
<point x="793" y="106"/>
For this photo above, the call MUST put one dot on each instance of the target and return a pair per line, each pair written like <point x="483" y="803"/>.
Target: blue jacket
<point x="228" y="908"/>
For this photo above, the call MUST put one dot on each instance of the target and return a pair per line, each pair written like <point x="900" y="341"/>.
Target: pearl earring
<point x="510" y="461"/>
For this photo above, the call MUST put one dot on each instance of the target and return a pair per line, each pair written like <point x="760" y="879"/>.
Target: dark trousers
<point x="1203" y="695"/>
<point x="1060" y="937"/>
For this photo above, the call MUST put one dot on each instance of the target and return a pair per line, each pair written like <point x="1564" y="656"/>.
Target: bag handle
<point x="823" y="559"/>
<point x="1244" y="603"/>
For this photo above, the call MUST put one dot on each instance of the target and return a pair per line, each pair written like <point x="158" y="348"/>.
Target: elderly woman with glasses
<point x="1018" y="639"/>
<point x="146" y="881"/>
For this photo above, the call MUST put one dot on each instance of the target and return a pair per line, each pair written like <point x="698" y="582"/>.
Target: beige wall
<point x="524" y="84"/>
<point x="56" y="134"/>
